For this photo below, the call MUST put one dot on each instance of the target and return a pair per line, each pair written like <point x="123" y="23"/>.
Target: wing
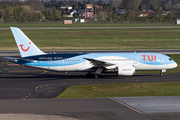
<point x="98" y="63"/>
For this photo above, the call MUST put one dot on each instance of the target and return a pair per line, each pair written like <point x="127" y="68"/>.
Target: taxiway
<point x="30" y="93"/>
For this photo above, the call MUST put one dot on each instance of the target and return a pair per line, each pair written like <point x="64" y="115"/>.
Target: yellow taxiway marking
<point x="27" y="75"/>
<point x="43" y="72"/>
<point x="33" y="75"/>
<point x="26" y="71"/>
<point x="62" y="73"/>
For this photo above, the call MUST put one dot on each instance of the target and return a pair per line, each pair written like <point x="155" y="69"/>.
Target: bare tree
<point x="101" y="15"/>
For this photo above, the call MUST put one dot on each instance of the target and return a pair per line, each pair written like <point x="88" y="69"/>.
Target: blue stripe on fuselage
<point x="53" y="57"/>
<point x="76" y="58"/>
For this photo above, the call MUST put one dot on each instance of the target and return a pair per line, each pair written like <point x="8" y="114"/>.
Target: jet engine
<point x="126" y="70"/>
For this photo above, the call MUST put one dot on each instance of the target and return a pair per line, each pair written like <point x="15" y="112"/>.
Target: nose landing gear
<point x="161" y="72"/>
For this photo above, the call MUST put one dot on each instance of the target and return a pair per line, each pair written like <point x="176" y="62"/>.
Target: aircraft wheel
<point x="96" y="76"/>
<point x="161" y="74"/>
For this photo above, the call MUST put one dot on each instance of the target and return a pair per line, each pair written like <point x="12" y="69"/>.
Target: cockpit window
<point x="170" y="59"/>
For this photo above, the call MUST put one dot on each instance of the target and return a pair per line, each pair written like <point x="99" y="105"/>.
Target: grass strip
<point x="60" y="24"/>
<point x="97" y="39"/>
<point x="122" y="90"/>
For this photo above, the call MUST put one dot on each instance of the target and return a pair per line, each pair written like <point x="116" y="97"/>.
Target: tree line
<point x="33" y="10"/>
<point x="19" y="14"/>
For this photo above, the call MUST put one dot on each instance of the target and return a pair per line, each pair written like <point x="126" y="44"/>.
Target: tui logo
<point x="150" y="58"/>
<point x="25" y="50"/>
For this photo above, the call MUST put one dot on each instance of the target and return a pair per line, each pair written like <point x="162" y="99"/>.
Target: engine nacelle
<point x="126" y="70"/>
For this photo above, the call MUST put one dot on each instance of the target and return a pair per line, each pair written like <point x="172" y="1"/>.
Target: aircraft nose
<point x="174" y="65"/>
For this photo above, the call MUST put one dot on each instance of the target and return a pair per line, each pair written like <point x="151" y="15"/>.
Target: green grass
<point x="122" y="90"/>
<point x="104" y="39"/>
<point x="127" y="89"/>
<point x="22" y="25"/>
<point x="100" y="39"/>
<point x="97" y="39"/>
<point x="177" y="59"/>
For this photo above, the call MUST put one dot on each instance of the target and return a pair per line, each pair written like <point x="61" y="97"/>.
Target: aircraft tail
<point x="25" y="45"/>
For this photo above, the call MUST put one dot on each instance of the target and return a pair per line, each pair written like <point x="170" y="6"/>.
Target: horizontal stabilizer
<point x="10" y="58"/>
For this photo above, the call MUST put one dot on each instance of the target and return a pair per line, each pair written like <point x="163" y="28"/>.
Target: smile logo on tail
<point x="25" y="50"/>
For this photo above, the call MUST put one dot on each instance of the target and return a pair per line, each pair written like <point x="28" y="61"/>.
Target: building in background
<point x="89" y="12"/>
<point x="177" y="21"/>
<point x="146" y="13"/>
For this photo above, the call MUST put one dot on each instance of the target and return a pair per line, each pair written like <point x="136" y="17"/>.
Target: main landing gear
<point x="91" y="75"/>
<point x="97" y="73"/>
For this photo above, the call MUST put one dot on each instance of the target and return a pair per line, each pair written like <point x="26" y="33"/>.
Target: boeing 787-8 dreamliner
<point x="123" y="64"/>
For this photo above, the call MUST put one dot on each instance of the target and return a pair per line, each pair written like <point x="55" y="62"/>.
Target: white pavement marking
<point x="34" y="117"/>
<point x="164" y="104"/>
<point x="126" y="105"/>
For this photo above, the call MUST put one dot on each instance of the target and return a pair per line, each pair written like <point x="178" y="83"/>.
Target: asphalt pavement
<point x="29" y="93"/>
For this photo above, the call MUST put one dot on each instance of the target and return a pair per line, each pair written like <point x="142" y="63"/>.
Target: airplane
<point x="95" y="64"/>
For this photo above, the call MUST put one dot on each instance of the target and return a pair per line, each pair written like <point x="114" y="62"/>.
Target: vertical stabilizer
<point x="25" y="45"/>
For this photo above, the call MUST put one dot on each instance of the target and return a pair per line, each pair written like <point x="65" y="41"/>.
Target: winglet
<point x="25" y="45"/>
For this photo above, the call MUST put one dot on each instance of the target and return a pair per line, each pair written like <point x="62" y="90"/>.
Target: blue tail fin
<point x="25" y="45"/>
